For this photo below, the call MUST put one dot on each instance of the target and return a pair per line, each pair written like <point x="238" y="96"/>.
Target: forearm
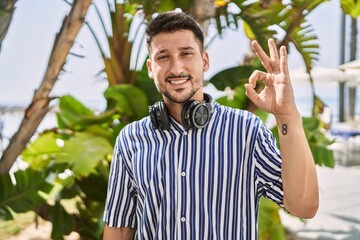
<point x="114" y="233"/>
<point x="301" y="197"/>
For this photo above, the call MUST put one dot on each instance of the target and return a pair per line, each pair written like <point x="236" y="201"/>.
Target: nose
<point x="177" y="66"/>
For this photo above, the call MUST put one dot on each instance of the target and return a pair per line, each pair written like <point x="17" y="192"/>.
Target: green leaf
<point x="270" y="226"/>
<point x="248" y="31"/>
<point x="238" y="100"/>
<point x="351" y="7"/>
<point x="39" y="153"/>
<point x="128" y="99"/>
<point x="147" y="86"/>
<point x="261" y="114"/>
<point x="231" y="77"/>
<point x="106" y="117"/>
<point x="25" y="194"/>
<point x="95" y="187"/>
<point x="62" y="222"/>
<point x="71" y="111"/>
<point x="83" y="152"/>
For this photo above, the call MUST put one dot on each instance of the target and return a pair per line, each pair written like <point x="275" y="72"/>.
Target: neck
<point x="174" y="109"/>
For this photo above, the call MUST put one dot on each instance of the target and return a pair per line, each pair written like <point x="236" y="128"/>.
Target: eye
<point x="161" y="57"/>
<point x="187" y="53"/>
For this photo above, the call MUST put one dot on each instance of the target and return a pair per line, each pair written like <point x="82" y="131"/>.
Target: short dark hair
<point x="170" y="22"/>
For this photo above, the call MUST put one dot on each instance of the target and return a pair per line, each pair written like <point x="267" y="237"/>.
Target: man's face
<point x="177" y="66"/>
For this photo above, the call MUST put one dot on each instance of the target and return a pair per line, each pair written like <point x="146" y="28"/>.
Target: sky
<point x="26" y="49"/>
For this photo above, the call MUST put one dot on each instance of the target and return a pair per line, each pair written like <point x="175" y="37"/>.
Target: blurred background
<point x="85" y="98"/>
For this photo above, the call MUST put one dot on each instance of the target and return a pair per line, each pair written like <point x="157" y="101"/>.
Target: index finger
<point x="264" y="58"/>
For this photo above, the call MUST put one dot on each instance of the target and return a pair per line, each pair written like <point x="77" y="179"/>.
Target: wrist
<point x="289" y="123"/>
<point x="293" y="118"/>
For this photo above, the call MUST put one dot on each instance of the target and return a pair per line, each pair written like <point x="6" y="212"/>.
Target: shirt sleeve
<point x="120" y="208"/>
<point x="268" y="166"/>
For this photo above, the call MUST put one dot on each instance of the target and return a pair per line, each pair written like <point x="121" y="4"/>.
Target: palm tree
<point x="7" y="8"/>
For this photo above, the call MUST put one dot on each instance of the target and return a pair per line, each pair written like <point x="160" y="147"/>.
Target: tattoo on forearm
<point x="284" y="129"/>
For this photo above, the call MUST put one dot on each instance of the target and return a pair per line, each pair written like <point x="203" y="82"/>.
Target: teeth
<point x="178" y="82"/>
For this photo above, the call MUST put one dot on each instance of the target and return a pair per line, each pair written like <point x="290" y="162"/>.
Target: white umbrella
<point x="324" y="74"/>
<point x="320" y="74"/>
<point x="350" y="65"/>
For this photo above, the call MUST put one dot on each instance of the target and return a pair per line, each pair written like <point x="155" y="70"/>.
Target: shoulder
<point x="135" y="129"/>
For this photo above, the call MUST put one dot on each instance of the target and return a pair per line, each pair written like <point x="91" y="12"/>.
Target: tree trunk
<point x="203" y="11"/>
<point x="7" y="8"/>
<point x="39" y="106"/>
<point x="352" y="89"/>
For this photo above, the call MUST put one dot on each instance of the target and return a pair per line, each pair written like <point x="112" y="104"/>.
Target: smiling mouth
<point x="178" y="80"/>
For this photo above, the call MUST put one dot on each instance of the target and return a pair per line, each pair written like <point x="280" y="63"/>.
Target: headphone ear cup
<point x="163" y="116"/>
<point x="186" y="113"/>
<point x="159" y="116"/>
<point x="196" y="114"/>
<point x="200" y="115"/>
<point x="153" y="116"/>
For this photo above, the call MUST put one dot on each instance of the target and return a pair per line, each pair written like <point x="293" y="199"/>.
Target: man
<point x="195" y="169"/>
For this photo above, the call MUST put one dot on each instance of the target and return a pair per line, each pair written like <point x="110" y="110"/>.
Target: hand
<point x="277" y="97"/>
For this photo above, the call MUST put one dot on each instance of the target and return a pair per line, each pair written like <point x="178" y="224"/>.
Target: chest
<point x="190" y="161"/>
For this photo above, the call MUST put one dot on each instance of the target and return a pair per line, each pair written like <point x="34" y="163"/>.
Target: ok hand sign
<point x="277" y="97"/>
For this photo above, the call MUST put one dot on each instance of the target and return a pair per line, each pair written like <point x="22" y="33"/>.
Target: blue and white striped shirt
<point x="197" y="183"/>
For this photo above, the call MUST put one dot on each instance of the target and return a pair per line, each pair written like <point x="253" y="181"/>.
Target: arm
<point x="301" y="197"/>
<point x="114" y="233"/>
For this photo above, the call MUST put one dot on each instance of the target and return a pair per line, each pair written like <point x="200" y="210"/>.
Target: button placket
<point x="183" y="173"/>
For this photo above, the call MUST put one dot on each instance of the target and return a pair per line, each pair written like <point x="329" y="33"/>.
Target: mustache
<point x="182" y="75"/>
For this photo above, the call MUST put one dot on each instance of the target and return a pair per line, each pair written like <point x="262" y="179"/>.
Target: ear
<point x="206" y="61"/>
<point x="148" y="65"/>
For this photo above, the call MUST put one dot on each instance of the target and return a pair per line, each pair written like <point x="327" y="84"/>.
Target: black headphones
<point x="194" y="114"/>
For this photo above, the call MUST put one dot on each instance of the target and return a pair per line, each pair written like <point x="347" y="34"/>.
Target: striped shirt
<point x="197" y="183"/>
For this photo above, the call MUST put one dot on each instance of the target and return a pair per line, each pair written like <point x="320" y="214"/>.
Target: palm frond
<point x="23" y="195"/>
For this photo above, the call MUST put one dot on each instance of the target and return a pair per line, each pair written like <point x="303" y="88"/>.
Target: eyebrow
<point x="181" y="49"/>
<point x="186" y="48"/>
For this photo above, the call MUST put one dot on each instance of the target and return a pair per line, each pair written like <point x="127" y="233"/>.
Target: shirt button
<point x="183" y="174"/>
<point x="183" y="219"/>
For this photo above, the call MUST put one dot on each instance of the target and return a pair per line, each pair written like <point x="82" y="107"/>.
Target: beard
<point x="175" y="99"/>
<point x="181" y="95"/>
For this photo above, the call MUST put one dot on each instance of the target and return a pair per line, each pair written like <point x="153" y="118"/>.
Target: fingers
<point x="274" y="55"/>
<point x="259" y="75"/>
<point x="272" y="64"/>
<point x="265" y="60"/>
<point x="252" y="94"/>
<point x="283" y="60"/>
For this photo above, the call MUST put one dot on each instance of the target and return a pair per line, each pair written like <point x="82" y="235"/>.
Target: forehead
<point x="170" y="41"/>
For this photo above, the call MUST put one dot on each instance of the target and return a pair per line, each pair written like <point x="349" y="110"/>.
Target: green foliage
<point x="318" y="142"/>
<point x="61" y="221"/>
<point x="122" y="98"/>
<point x="270" y="226"/>
<point x="24" y="194"/>
<point x="83" y="152"/>
<point x="147" y="85"/>
<point x="351" y="7"/>
<point x="41" y="151"/>
<point x="232" y="77"/>
<point x="71" y="163"/>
